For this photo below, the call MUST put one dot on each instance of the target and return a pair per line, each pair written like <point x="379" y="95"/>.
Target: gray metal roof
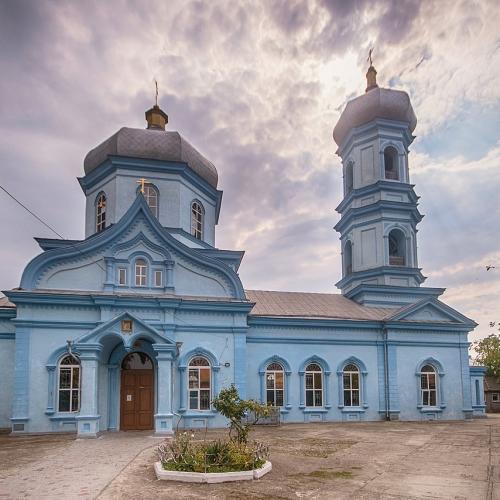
<point x="311" y="305"/>
<point x="376" y="103"/>
<point x="5" y="302"/>
<point x="151" y="144"/>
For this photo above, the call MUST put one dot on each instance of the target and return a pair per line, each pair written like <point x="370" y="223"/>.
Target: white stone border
<point x="211" y="477"/>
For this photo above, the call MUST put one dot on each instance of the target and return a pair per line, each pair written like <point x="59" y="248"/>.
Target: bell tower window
<point x="100" y="212"/>
<point x="397" y="248"/>
<point x="349" y="177"/>
<point x="391" y="164"/>
<point x="348" y="258"/>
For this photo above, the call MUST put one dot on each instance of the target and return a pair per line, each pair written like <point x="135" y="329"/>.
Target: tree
<point x="229" y="404"/>
<point x="488" y="354"/>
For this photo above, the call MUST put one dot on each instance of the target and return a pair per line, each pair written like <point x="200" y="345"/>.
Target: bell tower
<point x="379" y="214"/>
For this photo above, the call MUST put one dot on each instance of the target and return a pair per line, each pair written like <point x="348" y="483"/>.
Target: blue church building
<point x="140" y="324"/>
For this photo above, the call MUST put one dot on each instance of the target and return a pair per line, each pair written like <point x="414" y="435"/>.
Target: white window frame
<point x="197" y="219"/>
<point x="271" y="375"/>
<point x="151" y="196"/>
<point x="100" y="212"/>
<point x="72" y="368"/>
<point x="122" y="272"/>
<point x="158" y="283"/>
<point x="349" y="375"/>
<point x="141" y="272"/>
<point x="495" y="397"/>
<point x="313" y="373"/>
<point x="194" y="389"/>
<point x="427" y="390"/>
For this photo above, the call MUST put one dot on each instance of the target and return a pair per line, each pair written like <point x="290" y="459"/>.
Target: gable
<point x="96" y="263"/>
<point x="431" y="310"/>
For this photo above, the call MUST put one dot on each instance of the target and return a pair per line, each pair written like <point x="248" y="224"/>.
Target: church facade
<point x="140" y="324"/>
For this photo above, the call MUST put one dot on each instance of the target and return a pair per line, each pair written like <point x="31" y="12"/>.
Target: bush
<point x="235" y="409"/>
<point x="185" y="454"/>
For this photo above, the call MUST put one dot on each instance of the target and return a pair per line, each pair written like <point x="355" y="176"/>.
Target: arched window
<point x="348" y="258"/>
<point x="428" y="386"/>
<point x="314" y="385"/>
<point x="350" y="378"/>
<point x="151" y="197"/>
<point x="141" y="272"/>
<point x="397" y="248"/>
<point x="199" y="378"/>
<point x="197" y="214"/>
<point x="100" y="212"/>
<point x="349" y="177"/>
<point x="275" y="384"/>
<point x="68" y="387"/>
<point x="391" y="164"/>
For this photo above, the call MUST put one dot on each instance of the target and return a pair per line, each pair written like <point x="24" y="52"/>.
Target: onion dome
<point x="153" y="143"/>
<point x="376" y="103"/>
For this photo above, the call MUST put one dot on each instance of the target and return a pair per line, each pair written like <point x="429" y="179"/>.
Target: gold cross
<point x="142" y="182"/>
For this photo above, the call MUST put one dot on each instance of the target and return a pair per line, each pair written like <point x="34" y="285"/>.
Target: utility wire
<point x="30" y="212"/>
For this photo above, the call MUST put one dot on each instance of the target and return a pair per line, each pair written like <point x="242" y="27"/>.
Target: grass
<point x="327" y="474"/>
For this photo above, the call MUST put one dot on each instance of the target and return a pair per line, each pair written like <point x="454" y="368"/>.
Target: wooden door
<point x="137" y="400"/>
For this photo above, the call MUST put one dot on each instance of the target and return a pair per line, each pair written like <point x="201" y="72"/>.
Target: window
<point x="349" y="177"/>
<point x="122" y="276"/>
<point x="69" y="385"/>
<point x="428" y="386"/>
<point x="314" y="385"/>
<point x="197" y="213"/>
<point x="158" y="278"/>
<point x="151" y="197"/>
<point x="350" y="378"/>
<point x="100" y="212"/>
<point x="141" y="269"/>
<point x="397" y="248"/>
<point x="348" y="258"/>
<point x="495" y="397"/>
<point x="391" y="164"/>
<point x="199" y="384"/>
<point x="275" y="383"/>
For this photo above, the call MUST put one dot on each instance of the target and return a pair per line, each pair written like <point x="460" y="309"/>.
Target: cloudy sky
<point x="257" y="87"/>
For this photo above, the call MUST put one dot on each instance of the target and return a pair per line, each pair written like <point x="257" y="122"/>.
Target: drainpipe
<point x="386" y="375"/>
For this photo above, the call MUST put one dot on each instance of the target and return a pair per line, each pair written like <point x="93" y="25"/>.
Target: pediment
<point x="431" y="310"/>
<point x="114" y="328"/>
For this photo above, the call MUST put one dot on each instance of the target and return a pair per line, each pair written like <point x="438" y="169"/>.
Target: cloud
<point x="257" y="87"/>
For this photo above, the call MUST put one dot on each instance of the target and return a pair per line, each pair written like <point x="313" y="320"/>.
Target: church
<point x="140" y="324"/>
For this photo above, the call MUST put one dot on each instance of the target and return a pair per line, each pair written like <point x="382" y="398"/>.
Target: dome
<point x="376" y="103"/>
<point x="151" y="144"/>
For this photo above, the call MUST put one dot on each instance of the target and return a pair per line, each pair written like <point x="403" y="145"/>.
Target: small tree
<point x="488" y="354"/>
<point x="229" y="404"/>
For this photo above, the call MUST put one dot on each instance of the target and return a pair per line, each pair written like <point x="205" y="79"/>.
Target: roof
<point x="151" y="144"/>
<point x="376" y="103"/>
<point x="5" y="302"/>
<point x="491" y="383"/>
<point x="312" y="305"/>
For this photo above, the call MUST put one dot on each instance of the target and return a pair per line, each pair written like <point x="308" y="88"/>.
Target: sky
<point x="257" y="87"/>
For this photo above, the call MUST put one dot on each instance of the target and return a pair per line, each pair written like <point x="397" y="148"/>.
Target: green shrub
<point x="235" y="409"/>
<point x="185" y="454"/>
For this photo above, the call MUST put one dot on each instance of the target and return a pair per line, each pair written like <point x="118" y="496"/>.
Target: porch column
<point x="88" y="417"/>
<point x="164" y="417"/>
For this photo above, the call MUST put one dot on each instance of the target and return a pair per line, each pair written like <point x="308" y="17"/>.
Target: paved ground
<point x="383" y="460"/>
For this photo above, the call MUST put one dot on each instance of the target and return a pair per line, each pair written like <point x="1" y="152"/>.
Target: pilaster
<point x="88" y="417"/>
<point x="165" y="354"/>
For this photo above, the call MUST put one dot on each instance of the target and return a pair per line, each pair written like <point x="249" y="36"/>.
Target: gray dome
<point x="151" y="144"/>
<point x="376" y="103"/>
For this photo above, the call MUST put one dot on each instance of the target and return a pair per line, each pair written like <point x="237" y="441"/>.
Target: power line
<point x="31" y="212"/>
